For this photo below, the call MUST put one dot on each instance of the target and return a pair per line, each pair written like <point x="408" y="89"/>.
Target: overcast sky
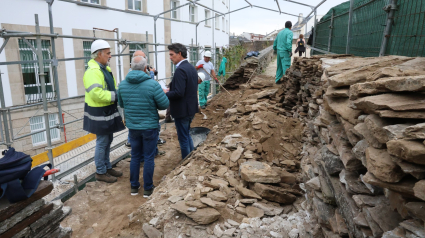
<point x="255" y="20"/>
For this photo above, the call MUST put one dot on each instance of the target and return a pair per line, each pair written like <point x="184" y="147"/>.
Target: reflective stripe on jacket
<point x="101" y="114"/>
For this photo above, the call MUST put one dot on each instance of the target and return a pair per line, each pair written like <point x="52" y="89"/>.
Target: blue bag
<point x="17" y="180"/>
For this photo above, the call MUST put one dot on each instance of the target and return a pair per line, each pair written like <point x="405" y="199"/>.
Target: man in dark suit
<point x="183" y="96"/>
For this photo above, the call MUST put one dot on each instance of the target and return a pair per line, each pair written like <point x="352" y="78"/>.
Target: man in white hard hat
<point x="101" y="116"/>
<point x="208" y="68"/>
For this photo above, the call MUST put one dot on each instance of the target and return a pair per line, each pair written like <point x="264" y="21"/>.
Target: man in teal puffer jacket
<point x="141" y="97"/>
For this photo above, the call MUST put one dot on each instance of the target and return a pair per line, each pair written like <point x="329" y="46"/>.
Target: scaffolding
<point x="8" y="138"/>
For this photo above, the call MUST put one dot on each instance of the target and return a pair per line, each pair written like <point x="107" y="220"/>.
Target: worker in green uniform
<point x="283" y="47"/>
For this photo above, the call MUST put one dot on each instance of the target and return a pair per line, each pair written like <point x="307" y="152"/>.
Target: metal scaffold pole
<point x="55" y="65"/>
<point x="147" y="46"/>
<point x="350" y="26"/>
<point x="390" y="19"/>
<point x="331" y="27"/>
<point x="43" y="92"/>
<point x="119" y="51"/>
<point x="4" y="114"/>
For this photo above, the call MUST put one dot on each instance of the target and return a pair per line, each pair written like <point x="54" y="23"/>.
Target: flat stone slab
<point x="405" y="186"/>
<point x="360" y="74"/>
<point x="401" y="114"/>
<point x="411" y="151"/>
<point x="273" y="193"/>
<point x="344" y="147"/>
<point x="419" y="189"/>
<point x="415" y="131"/>
<point x="212" y="203"/>
<point x="202" y="216"/>
<point x="254" y="212"/>
<point x="151" y="232"/>
<point x="258" y="172"/>
<point x="362" y="130"/>
<point x="268" y="209"/>
<point x="341" y="107"/>
<point x="380" y="164"/>
<point x="248" y="194"/>
<point x="337" y="92"/>
<point x="395" y="102"/>
<point x="217" y="196"/>
<point x="384" y="85"/>
<point x="236" y="155"/>
<point x="375" y="125"/>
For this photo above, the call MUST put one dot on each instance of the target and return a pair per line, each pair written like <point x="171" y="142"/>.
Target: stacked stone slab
<point x="250" y="67"/>
<point x="364" y="152"/>
<point x="34" y="217"/>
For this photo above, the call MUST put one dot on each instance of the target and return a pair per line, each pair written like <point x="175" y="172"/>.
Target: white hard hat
<point x="99" y="45"/>
<point x="207" y="54"/>
<point x="201" y="76"/>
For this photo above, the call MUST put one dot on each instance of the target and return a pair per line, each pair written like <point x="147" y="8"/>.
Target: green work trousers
<point x="283" y="63"/>
<point x="203" y="90"/>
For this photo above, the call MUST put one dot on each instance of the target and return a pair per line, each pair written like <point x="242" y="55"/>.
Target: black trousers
<point x="300" y="53"/>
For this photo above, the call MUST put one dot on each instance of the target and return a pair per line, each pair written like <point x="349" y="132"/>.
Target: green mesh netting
<point x="407" y="36"/>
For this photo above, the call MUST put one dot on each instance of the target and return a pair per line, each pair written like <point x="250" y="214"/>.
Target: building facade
<point x="134" y="21"/>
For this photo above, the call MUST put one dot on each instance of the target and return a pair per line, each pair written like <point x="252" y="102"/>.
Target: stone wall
<point x="363" y="153"/>
<point x="247" y="68"/>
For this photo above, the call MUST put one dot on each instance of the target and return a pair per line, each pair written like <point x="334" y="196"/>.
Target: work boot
<point x="169" y="119"/>
<point x="114" y="172"/>
<point x="105" y="178"/>
<point x="147" y="193"/>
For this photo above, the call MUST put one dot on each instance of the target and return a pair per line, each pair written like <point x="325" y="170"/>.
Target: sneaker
<point x="135" y="190"/>
<point x="147" y="193"/>
<point x="127" y="144"/>
<point x="105" y="178"/>
<point x="114" y="172"/>
<point x="203" y="107"/>
<point x="161" y="141"/>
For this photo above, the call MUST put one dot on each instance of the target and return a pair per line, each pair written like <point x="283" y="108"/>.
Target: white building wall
<point x="68" y="16"/>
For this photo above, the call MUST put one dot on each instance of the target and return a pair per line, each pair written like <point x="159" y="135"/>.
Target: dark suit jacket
<point x="183" y="91"/>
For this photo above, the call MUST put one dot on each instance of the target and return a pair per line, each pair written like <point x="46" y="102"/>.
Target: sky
<point x="259" y="21"/>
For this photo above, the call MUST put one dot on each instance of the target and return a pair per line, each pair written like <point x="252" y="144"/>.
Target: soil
<point x="101" y="209"/>
<point x="106" y="210"/>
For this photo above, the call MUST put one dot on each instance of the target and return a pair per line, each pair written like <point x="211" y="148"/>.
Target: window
<point x="174" y="13"/>
<point x="30" y="71"/>
<point x="217" y="22"/>
<point x="135" y="5"/>
<point x="192" y="14"/>
<point x="135" y="47"/>
<point x="37" y="124"/>
<point x="91" y="1"/>
<point x="193" y="55"/>
<point x="224" y="26"/>
<point x="207" y="15"/>
<point x="87" y="52"/>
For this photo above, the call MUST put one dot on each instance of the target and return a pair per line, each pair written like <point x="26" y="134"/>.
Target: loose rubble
<point x="336" y="150"/>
